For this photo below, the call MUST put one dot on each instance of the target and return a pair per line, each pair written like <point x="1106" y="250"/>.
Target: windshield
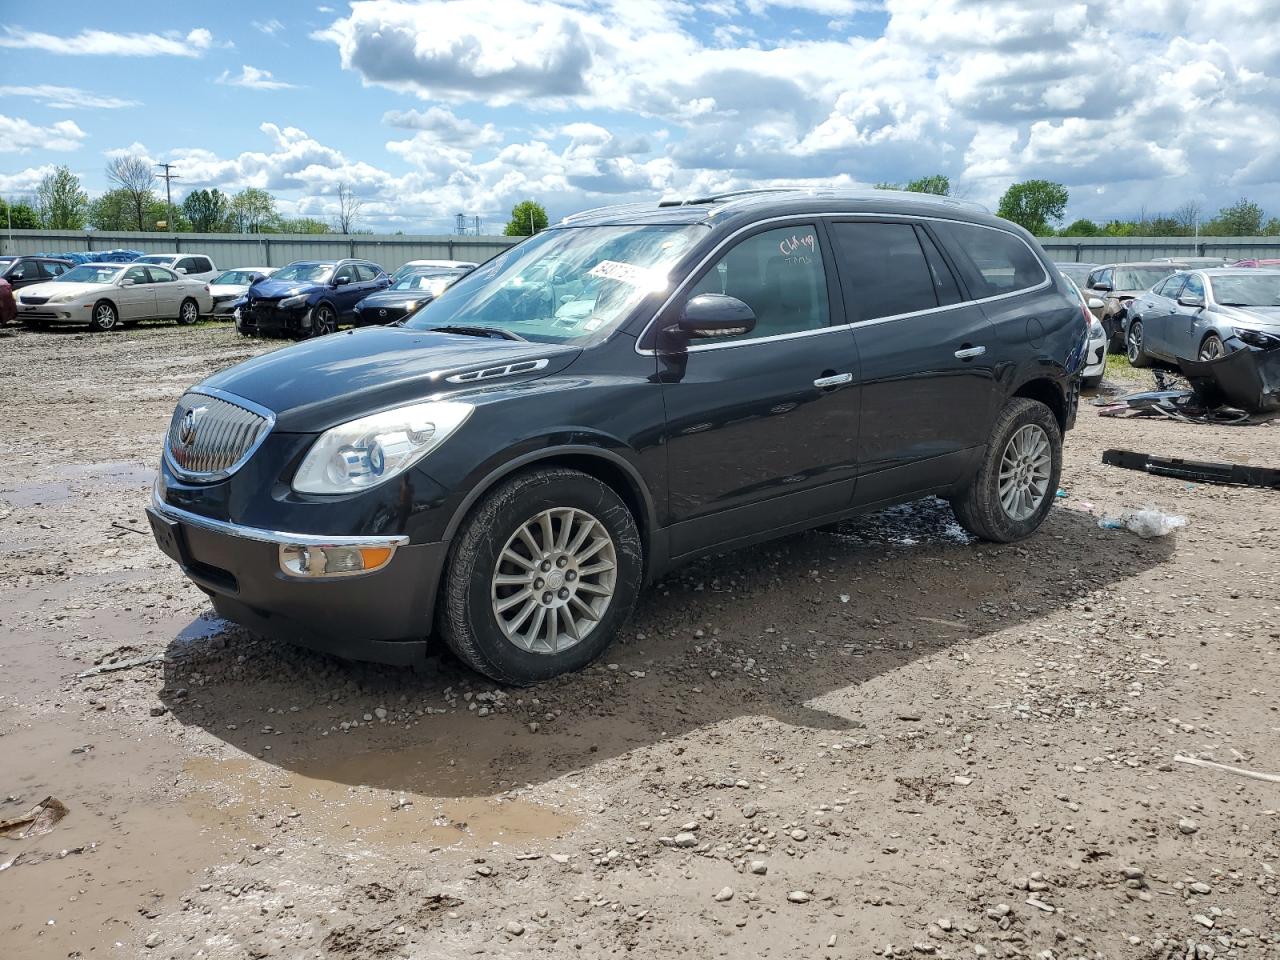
<point x="238" y="277"/>
<point x="89" y="274"/>
<point x="1140" y="278"/>
<point x="1256" y="290"/>
<point x="154" y="258"/>
<point x="313" y="272"/>
<point x="564" y="284"/>
<point x="430" y="282"/>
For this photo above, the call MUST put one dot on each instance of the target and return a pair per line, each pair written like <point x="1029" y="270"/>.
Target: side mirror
<point x="1104" y="287"/>
<point x="341" y="281"/>
<point x="1095" y="303"/>
<point x="715" y="315"/>
<point x="126" y="282"/>
<point x="1191" y="301"/>
<point x="179" y="269"/>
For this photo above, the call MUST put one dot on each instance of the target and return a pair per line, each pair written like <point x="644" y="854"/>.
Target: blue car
<point x="308" y="298"/>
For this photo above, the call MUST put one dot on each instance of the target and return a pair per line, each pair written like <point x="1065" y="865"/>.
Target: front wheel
<point x="1133" y="346"/>
<point x="1212" y="348"/>
<point x="188" y="313"/>
<point x="1016" y="484"/>
<point x="324" y="321"/>
<point x="104" y="317"/>
<point x="541" y="576"/>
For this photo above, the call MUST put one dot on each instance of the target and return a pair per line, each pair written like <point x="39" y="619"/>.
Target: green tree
<point x="527" y="218"/>
<point x="22" y="215"/>
<point x="206" y="210"/>
<point x="938" y="184"/>
<point x="1035" y="205"/>
<point x="135" y="176"/>
<point x="62" y="204"/>
<point x="304" y="225"/>
<point x="1242" y="219"/>
<point x="253" y="211"/>
<point x="113" y="210"/>
<point x="1271" y="228"/>
<point x="1081" y="228"/>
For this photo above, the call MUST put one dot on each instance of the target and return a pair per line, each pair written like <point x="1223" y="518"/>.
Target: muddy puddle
<point x="77" y="480"/>
<point x="233" y="794"/>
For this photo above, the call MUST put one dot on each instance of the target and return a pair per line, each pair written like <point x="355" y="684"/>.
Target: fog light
<point x="308" y="561"/>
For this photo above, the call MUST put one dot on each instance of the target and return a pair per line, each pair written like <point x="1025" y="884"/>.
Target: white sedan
<point x="231" y="285"/>
<point x="1095" y="361"/>
<point x="105" y="295"/>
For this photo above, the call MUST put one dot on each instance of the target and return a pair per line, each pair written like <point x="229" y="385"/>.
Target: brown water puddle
<point x="323" y="804"/>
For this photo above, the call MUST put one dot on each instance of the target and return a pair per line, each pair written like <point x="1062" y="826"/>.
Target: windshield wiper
<point x="468" y="331"/>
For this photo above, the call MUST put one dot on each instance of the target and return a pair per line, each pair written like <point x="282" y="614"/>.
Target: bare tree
<point x="135" y="176"/>
<point x="349" y="207"/>
<point x="1189" y="215"/>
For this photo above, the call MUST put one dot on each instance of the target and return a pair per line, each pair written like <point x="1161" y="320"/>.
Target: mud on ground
<point x="881" y="740"/>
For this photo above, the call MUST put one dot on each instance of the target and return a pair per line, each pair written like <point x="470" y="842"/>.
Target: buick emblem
<point x="382" y="313"/>
<point x="187" y="429"/>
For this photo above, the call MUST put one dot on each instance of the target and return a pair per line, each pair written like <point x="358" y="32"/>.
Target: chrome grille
<point x="211" y="437"/>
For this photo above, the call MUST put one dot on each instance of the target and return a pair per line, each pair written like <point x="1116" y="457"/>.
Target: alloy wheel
<point x="554" y="580"/>
<point x="1212" y="348"/>
<point x="104" y="316"/>
<point x="1024" y="471"/>
<point x="1135" y="342"/>
<point x="189" y="313"/>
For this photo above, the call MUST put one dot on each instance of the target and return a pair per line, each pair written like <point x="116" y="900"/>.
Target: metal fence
<point x="263" y="249"/>
<point x="1130" y="249"/>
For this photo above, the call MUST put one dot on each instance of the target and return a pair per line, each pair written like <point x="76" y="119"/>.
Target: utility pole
<point x="168" y="196"/>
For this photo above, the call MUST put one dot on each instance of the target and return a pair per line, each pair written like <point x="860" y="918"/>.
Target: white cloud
<point x="269" y="27"/>
<point x="67" y="98"/>
<point x="444" y="126"/>
<point x="23" y="182"/>
<point x="21" y="136"/>
<point x="102" y="42"/>
<point x="254" y="79"/>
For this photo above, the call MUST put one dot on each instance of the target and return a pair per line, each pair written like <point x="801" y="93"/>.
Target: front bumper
<point x="383" y="615"/>
<point x="270" y="321"/>
<point x="53" y="313"/>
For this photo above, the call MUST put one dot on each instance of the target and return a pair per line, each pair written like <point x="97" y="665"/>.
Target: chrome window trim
<point x="802" y="217"/>
<point x="280" y="538"/>
<point x="268" y="415"/>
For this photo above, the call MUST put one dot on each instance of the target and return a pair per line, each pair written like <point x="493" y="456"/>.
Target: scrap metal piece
<point x="1202" y="470"/>
<point x="1248" y="379"/>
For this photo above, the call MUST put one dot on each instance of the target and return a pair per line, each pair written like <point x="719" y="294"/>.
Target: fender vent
<point x="492" y="373"/>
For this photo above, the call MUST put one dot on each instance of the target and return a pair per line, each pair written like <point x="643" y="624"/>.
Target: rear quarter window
<point x="991" y="261"/>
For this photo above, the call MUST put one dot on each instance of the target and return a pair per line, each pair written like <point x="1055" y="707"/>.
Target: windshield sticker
<point x="644" y="277"/>
<point x="799" y="248"/>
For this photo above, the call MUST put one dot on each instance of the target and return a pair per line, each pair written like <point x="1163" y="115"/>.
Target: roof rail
<point x="861" y="193"/>
<point x="728" y="195"/>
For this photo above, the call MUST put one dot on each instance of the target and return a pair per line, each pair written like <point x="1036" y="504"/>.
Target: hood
<point x="320" y="383"/>
<point x="60" y="287"/>
<point x="275" y="289"/>
<point x="1266" y="317"/>
<point x="391" y="298"/>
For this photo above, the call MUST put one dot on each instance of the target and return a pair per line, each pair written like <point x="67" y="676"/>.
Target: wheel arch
<point x="608" y="467"/>
<point x="1050" y="393"/>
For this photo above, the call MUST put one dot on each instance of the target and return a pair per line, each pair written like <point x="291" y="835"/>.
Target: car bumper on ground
<point x="382" y="615"/>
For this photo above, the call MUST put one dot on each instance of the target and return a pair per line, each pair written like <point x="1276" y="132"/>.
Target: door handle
<point x="833" y="381"/>
<point x="968" y="353"/>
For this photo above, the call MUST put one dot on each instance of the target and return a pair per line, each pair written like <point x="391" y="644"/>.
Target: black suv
<point x="308" y="298"/>
<point x="24" y="271"/>
<point x="632" y="388"/>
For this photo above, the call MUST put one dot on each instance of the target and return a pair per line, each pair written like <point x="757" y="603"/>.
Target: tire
<point x="188" y="312"/>
<point x="1133" y="346"/>
<point x="324" y="321"/>
<point x="105" y="317"/>
<point x="469" y="618"/>
<point x="980" y="508"/>
<point x="1211" y="348"/>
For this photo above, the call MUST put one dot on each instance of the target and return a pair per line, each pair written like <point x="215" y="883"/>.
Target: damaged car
<point x="1204" y="315"/>
<point x="308" y="298"/>
<point x="1115" y="285"/>
<point x="506" y="475"/>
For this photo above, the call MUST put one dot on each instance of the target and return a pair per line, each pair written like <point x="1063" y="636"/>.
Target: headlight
<point x="1256" y="338"/>
<point x="63" y="298"/>
<point x="371" y="450"/>
<point x="1095" y="329"/>
<point x="290" y="302"/>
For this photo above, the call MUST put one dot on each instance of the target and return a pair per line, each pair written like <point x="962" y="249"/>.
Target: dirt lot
<point x="883" y="740"/>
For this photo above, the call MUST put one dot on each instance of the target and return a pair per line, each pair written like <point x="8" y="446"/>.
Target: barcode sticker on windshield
<point x="626" y="273"/>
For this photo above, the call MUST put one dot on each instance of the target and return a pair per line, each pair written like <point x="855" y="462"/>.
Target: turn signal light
<point x="308" y="561"/>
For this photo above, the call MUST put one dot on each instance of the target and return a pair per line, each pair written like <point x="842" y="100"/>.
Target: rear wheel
<point x="1212" y="347"/>
<point x="1018" y="479"/>
<point x="104" y="316"/>
<point x="542" y="574"/>
<point x="188" y="313"/>
<point x="1133" y="346"/>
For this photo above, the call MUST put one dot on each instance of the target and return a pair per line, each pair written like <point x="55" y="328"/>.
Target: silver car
<point x="230" y="286"/>
<point x="104" y="295"/>
<point x="1203" y="315"/>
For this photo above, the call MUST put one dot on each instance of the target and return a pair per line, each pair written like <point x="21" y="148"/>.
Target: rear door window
<point x="992" y="261"/>
<point x="884" y="270"/>
<point x="779" y="275"/>
<point x="202" y="265"/>
<point x="366" y="272"/>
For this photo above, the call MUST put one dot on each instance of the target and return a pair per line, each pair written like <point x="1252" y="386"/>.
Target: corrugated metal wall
<point x="263" y="250"/>
<point x="1129" y="249"/>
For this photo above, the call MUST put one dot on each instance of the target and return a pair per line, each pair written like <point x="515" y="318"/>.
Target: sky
<point x="430" y="109"/>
